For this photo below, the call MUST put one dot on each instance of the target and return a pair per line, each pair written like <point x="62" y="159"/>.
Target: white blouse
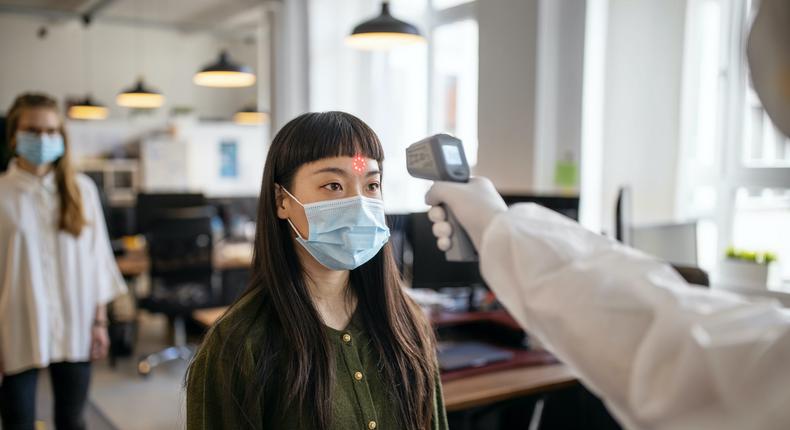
<point x="50" y="281"/>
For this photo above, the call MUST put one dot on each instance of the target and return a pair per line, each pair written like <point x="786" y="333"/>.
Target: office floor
<point x="131" y="402"/>
<point x="119" y="398"/>
<point x="94" y="418"/>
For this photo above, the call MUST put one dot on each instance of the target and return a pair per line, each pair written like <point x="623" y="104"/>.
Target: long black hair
<point x="295" y="348"/>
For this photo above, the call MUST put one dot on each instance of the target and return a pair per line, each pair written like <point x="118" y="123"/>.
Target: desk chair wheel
<point x="179" y="351"/>
<point x="147" y="364"/>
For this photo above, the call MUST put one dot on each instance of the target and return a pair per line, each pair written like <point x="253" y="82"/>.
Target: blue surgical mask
<point x="40" y="148"/>
<point x="344" y="233"/>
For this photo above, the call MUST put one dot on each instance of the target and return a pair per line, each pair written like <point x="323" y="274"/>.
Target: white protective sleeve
<point x="661" y="354"/>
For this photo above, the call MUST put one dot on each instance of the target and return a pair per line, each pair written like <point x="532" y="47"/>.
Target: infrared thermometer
<point x="441" y="158"/>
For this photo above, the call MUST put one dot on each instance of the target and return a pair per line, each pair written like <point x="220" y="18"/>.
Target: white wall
<point x="506" y="102"/>
<point x="292" y="68"/>
<point x="644" y="55"/>
<point x="532" y="59"/>
<point x="560" y="68"/>
<point x="169" y="59"/>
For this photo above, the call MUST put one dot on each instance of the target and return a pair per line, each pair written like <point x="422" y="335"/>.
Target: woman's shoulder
<point x="8" y="182"/>
<point x="11" y="191"/>
<point x="86" y="184"/>
<point x="240" y="328"/>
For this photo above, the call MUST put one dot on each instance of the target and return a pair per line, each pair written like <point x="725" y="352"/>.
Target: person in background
<point x="324" y="337"/>
<point x="57" y="270"/>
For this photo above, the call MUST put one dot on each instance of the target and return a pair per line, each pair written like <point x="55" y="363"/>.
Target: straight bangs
<point x="313" y="136"/>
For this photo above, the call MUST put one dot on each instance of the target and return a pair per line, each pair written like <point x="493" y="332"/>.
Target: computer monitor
<point x="430" y="268"/>
<point x="622" y="217"/>
<point x="398" y="225"/>
<point x="675" y="243"/>
<point x="566" y="205"/>
<point x="151" y="205"/>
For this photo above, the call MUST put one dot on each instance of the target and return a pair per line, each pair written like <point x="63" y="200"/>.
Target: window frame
<point x="435" y="19"/>
<point x="729" y="171"/>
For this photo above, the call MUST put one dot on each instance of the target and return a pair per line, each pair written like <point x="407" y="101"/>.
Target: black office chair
<point x="693" y="275"/>
<point x="180" y="247"/>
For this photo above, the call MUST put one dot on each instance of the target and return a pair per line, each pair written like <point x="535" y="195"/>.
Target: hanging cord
<point x="87" y="57"/>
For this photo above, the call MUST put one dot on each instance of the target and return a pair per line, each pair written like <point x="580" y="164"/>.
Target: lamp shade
<point x="250" y="116"/>
<point x="383" y="32"/>
<point x="140" y="97"/>
<point x="224" y="74"/>
<point x="86" y="109"/>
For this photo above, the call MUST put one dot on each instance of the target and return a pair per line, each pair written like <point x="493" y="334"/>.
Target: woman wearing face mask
<point x="324" y="337"/>
<point x="57" y="270"/>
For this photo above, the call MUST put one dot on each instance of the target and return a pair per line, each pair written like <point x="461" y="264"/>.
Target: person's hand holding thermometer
<point x="463" y="206"/>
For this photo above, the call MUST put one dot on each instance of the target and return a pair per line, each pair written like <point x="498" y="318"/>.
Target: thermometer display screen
<point x="452" y="156"/>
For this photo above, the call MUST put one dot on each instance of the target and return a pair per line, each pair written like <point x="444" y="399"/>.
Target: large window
<point x="454" y="83"/>
<point x="404" y="94"/>
<point x="735" y="164"/>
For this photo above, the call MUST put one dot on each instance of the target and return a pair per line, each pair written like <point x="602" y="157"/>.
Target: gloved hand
<point x="474" y="204"/>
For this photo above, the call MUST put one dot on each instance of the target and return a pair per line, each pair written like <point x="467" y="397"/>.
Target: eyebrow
<point x="343" y="172"/>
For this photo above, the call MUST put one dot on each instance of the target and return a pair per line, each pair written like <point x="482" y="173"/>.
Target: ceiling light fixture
<point x="86" y="109"/>
<point x="140" y="97"/>
<point x="225" y="74"/>
<point x="250" y="116"/>
<point x="383" y="32"/>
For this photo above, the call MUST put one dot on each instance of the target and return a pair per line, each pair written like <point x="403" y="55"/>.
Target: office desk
<point x="226" y="256"/>
<point x="487" y="388"/>
<point x="207" y="317"/>
<point x="474" y="390"/>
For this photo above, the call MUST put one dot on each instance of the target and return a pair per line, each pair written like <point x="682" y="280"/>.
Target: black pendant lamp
<point x="140" y="97"/>
<point x="383" y="32"/>
<point x="87" y="109"/>
<point x="250" y="115"/>
<point x="224" y="74"/>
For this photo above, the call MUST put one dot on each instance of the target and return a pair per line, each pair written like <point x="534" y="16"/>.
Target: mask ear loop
<point x="299" y="235"/>
<point x="293" y="227"/>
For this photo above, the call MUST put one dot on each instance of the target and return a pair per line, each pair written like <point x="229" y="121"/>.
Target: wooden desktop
<point x="226" y="256"/>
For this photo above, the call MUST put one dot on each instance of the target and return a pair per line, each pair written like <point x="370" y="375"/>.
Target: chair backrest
<point x="151" y="206"/>
<point x="180" y="244"/>
<point x="693" y="275"/>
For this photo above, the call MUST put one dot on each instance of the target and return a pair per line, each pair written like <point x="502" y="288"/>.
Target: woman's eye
<point x="375" y="186"/>
<point x="334" y="186"/>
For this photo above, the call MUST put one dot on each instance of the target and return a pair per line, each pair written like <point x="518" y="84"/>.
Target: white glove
<point x="474" y="204"/>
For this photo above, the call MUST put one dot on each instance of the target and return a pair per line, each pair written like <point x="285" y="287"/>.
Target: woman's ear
<point x="282" y="202"/>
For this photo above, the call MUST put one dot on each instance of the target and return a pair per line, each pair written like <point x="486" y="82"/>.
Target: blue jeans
<point x="70" y="382"/>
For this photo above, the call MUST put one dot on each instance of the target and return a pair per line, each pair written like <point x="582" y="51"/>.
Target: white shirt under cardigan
<point x="50" y="281"/>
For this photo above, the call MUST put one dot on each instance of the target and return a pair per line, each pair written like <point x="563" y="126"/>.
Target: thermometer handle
<point x="461" y="247"/>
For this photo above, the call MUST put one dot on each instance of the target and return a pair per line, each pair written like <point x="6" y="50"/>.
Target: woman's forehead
<point x="39" y="117"/>
<point x="358" y="165"/>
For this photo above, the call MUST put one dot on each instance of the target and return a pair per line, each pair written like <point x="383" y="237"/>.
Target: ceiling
<point x="184" y="15"/>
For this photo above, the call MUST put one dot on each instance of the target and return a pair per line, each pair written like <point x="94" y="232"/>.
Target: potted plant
<point x="750" y="269"/>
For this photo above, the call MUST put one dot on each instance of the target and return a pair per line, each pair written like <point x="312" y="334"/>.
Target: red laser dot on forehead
<point x="359" y="164"/>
